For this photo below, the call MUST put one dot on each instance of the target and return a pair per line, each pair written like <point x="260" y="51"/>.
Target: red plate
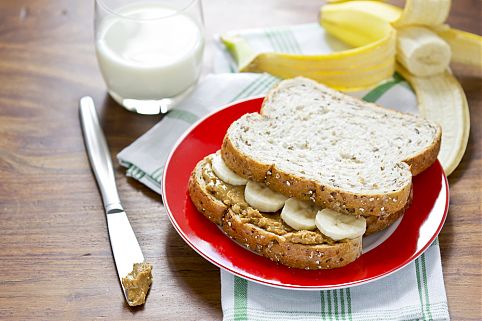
<point x="393" y="249"/>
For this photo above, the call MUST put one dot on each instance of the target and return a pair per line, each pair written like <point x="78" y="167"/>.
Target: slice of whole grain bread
<point x="312" y="142"/>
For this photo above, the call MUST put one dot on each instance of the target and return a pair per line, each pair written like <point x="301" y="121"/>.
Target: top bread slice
<point x="312" y="142"/>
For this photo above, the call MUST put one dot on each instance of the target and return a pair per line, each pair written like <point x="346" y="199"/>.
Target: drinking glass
<point x="149" y="52"/>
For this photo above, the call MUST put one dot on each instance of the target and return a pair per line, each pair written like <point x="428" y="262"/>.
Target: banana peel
<point x="356" y="23"/>
<point x="355" y="69"/>
<point x="466" y="47"/>
<point x="415" y="12"/>
<point x="442" y="100"/>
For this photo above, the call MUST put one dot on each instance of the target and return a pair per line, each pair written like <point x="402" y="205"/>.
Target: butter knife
<point x="123" y="241"/>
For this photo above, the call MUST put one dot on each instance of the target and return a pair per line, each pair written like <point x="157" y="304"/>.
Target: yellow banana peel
<point x="415" y="12"/>
<point x="441" y="99"/>
<point x="356" y="24"/>
<point x="355" y="69"/>
<point x="466" y="47"/>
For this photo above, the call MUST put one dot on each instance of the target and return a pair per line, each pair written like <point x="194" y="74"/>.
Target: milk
<point x="145" y="57"/>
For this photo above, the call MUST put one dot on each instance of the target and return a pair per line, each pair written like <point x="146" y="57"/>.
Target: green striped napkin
<point x="416" y="292"/>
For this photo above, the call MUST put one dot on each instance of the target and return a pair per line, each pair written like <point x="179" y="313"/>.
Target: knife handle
<point x="99" y="155"/>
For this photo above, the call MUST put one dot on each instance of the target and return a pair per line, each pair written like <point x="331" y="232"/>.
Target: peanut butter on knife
<point x="137" y="283"/>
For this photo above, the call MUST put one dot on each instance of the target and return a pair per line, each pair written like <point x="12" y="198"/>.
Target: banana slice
<point x="225" y="173"/>
<point x="422" y="51"/>
<point x="340" y="226"/>
<point x="299" y="215"/>
<point x="262" y="198"/>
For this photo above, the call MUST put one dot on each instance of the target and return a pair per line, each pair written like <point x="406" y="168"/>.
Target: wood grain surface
<point x="55" y="258"/>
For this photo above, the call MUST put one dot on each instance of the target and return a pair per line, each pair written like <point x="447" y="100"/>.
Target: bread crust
<point x="378" y="223"/>
<point x="423" y="160"/>
<point x="323" y="195"/>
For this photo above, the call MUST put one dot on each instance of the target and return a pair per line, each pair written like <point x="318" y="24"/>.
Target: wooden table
<point x="55" y="259"/>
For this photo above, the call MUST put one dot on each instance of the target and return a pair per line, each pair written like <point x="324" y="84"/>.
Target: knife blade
<point x="123" y="241"/>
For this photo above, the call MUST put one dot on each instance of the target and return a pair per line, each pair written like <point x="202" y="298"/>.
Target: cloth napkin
<point x="415" y="292"/>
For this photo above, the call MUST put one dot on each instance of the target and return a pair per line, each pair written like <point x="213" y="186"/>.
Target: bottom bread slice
<point x="265" y="233"/>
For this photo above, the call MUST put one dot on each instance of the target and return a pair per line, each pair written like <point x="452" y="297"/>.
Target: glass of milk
<point x="149" y="52"/>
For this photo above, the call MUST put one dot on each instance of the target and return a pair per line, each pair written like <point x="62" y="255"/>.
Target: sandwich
<point x="305" y="179"/>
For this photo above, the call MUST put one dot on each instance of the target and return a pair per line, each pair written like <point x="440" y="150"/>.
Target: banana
<point x="424" y="12"/>
<point x="372" y="61"/>
<point x="299" y="215"/>
<point x="262" y="198"/>
<point x="225" y="173"/>
<point x="442" y="100"/>
<point x="422" y="51"/>
<point x="340" y="226"/>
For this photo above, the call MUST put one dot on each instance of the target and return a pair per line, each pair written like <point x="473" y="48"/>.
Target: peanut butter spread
<point x="233" y="196"/>
<point x="137" y="283"/>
